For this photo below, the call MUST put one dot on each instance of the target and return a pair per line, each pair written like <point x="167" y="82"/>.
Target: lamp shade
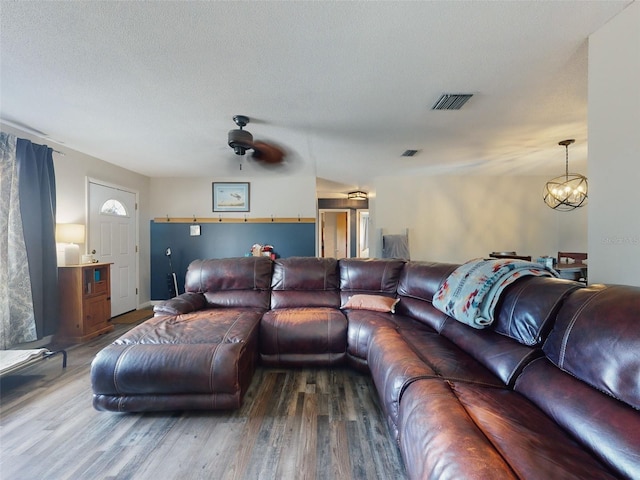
<point x="69" y="233"/>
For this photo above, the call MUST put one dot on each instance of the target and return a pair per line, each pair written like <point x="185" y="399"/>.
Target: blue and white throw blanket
<point x="471" y="293"/>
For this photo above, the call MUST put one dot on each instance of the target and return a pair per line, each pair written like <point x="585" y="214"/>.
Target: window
<point x="113" y="207"/>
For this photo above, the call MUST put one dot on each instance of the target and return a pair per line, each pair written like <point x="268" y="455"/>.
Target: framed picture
<point x="231" y="197"/>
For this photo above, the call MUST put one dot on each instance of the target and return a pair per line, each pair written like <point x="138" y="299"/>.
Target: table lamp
<point x="70" y="235"/>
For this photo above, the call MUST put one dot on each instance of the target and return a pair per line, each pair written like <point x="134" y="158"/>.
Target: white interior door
<point x="334" y="233"/>
<point x="112" y="238"/>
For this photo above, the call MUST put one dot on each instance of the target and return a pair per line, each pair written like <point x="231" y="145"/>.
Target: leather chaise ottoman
<point x="203" y="361"/>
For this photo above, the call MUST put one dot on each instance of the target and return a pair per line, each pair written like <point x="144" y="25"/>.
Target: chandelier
<point x="569" y="191"/>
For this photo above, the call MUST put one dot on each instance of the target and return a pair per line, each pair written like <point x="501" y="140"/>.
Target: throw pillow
<point x="376" y="303"/>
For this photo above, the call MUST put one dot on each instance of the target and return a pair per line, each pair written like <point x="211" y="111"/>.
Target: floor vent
<point x="451" y="101"/>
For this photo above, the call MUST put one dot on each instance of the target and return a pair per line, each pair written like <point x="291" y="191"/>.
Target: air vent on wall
<point x="451" y="101"/>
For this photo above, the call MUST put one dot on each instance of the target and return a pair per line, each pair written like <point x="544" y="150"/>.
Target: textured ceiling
<point x="345" y="87"/>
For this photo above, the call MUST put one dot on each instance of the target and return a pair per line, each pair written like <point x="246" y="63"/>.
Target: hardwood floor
<point x="294" y="424"/>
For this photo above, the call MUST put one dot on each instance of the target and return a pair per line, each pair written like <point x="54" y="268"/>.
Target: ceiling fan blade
<point x="268" y="152"/>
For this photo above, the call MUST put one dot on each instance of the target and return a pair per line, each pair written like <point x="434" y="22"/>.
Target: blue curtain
<point x="28" y="267"/>
<point x="37" y="189"/>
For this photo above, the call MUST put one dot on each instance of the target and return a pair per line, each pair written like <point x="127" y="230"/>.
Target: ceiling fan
<point x="242" y="140"/>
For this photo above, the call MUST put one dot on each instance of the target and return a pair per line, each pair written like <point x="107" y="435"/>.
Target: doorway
<point x="363" y="233"/>
<point x="334" y="234"/>
<point x="113" y="219"/>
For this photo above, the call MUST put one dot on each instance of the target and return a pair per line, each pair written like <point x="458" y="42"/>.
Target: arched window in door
<point x="113" y="207"/>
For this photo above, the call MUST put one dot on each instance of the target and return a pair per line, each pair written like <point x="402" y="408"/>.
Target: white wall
<point x="72" y="170"/>
<point x="614" y="150"/>
<point x="457" y="218"/>
<point x="269" y="196"/>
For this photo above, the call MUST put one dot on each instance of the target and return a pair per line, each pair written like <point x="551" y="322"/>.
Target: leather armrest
<point x="184" y="303"/>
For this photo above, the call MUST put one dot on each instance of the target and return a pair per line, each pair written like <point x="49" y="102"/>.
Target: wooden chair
<point x="572" y="257"/>
<point x="571" y="265"/>
<point x="510" y="255"/>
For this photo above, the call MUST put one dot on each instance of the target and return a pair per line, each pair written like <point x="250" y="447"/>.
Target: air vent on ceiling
<point x="451" y="101"/>
<point x="409" y="153"/>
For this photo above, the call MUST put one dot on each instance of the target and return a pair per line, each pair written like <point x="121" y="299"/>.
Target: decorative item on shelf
<point x="547" y="261"/>
<point x="258" y="250"/>
<point x="357" y="195"/>
<point x="569" y="191"/>
<point x="68" y="236"/>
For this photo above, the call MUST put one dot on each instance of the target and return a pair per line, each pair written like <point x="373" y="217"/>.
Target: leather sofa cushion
<point x="183" y="303"/>
<point x="604" y="425"/>
<point x="531" y="442"/>
<point x="305" y="282"/>
<point x="231" y="282"/>
<point x="419" y="281"/>
<point x="439" y="441"/>
<point x="370" y="275"/>
<point x="447" y="359"/>
<point x="503" y="356"/>
<point x="394" y="366"/>
<point x="422" y="311"/>
<point x="303" y="336"/>
<point x="528" y="308"/>
<point x="596" y="339"/>
<point x="362" y="326"/>
<point x="305" y="273"/>
<point x="210" y="326"/>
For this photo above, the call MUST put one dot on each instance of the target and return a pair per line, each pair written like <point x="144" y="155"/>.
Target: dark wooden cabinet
<point x="85" y="301"/>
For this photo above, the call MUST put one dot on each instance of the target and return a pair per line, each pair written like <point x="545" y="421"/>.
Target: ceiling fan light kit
<point x="569" y="191"/>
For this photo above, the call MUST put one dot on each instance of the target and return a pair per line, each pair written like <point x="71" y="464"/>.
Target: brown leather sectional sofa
<point x="550" y="390"/>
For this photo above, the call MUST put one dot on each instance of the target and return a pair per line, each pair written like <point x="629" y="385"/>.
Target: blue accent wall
<point x="220" y="240"/>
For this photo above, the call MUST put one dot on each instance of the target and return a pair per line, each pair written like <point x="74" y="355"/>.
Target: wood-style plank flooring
<point x="294" y="424"/>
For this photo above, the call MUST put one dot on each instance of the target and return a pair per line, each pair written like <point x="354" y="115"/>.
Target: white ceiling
<point x="346" y="87"/>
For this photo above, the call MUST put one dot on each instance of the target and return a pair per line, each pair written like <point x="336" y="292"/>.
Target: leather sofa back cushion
<point x="242" y="273"/>
<point x="369" y="276"/>
<point x="595" y="339"/>
<point x="419" y="281"/>
<point x="528" y="307"/>
<point x="305" y="282"/>
<point x="231" y="282"/>
<point x="602" y="424"/>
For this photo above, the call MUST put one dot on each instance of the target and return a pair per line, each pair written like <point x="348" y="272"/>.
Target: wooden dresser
<point x="85" y="301"/>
